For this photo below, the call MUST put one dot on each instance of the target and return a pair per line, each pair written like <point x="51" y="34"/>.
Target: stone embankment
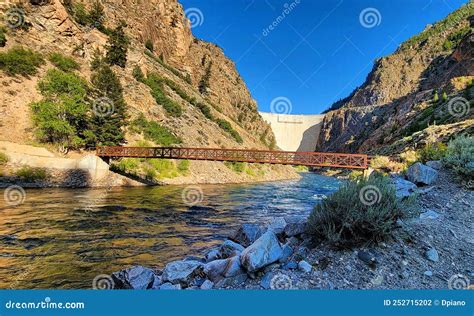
<point x="430" y="249"/>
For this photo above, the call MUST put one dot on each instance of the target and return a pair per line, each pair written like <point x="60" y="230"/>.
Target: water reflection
<point x="63" y="238"/>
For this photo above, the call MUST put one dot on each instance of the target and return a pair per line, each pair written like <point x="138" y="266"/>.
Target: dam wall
<point x="295" y="132"/>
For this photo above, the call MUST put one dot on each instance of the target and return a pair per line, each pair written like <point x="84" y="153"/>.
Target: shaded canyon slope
<point x="420" y="93"/>
<point x="200" y="71"/>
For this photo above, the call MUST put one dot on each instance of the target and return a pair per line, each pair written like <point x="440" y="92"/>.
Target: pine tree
<point x="118" y="46"/>
<point x="435" y="96"/>
<point x="108" y="122"/>
<point x="444" y="97"/>
<point x="96" y="15"/>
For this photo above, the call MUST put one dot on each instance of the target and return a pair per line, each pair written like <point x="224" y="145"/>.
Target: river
<point x="63" y="238"/>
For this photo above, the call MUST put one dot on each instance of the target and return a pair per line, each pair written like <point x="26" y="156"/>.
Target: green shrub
<point x="205" y="80"/>
<point x="183" y="166"/>
<point x="163" y="167"/>
<point x="80" y="14"/>
<point x="127" y="165"/>
<point x="149" y="45"/>
<point x="460" y="156"/>
<point x="62" y="62"/>
<point x="3" y="37"/>
<point x="155" y="132"/>
<point x="156" y="86"/>
<point x="238" y="167"/>
<point x="229" y="129"/>
<point x="360" y="212"/>
<point x="138" y="74"/>
<point x="432" y="151"/>
<point x="356" y="175"/>
<point x="31" y="174"/>
<point x="20" y="61"/>
<point x="205" y="109"/>
<point x="3" y="158"/>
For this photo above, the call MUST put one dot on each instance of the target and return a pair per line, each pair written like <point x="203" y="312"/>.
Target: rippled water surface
<point x="63" y="238"/>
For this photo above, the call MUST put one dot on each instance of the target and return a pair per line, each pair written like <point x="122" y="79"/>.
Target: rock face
<point x="262" y="252"/>
<point x="181" y="272"/>
<point x="178" y="56"/>
<point x="421" y="174"/>
<point x="136" y="278"/>
<point x="386" y="114"/>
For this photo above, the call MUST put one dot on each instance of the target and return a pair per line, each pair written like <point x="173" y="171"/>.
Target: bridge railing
<point x="338" y="160"/>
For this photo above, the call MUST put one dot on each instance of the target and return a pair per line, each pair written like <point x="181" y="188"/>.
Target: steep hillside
<point x="421" y="92"/>
<point x="211" y="105"/>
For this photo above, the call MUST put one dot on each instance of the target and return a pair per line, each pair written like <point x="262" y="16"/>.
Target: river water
<point x="63" y="238"/>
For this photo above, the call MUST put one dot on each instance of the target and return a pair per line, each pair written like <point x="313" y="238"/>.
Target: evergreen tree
<point x="436" y="96"/>
<point x="109" y="108"/>
<point x="444" y="97"/>
<point x="118" y="46"/>
<point x="96" y="15"/>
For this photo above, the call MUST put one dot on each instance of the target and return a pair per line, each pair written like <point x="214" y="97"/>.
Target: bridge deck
<point x="336" y="160"/>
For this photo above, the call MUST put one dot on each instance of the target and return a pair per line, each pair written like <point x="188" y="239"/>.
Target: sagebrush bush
<point x="62" y="62"/>
<point x="460" y="156"/>
<point x="20" y="61"/>
<point x="31" y="174"/>
<point x="361" y="212"/>
<point x="432" y="151"/>
<point x="3" y="158"/>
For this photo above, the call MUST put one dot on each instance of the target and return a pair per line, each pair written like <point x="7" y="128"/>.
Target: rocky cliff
<point x="420" y="92"/>
<point x="196" y="72"/>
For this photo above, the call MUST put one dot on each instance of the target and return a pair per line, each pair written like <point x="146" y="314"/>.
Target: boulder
<point x="233" y="267"/>
<point x="290" y="266"/>
<point x="207" y="285"/>
<point x="277" y="225"/>
<point x="295" y="226"/>
<point x="436" y="164"/>
<point x="403" y="187"/>
<point x="304" y="266"/>
<point x="429" y="215"/>
<point x="223" y="268"/>
<point x="246" y="234"/>
<point x="137" y="278"/>
<point x="368" y="257"/>
<point x="232" y="282"/>
<point x="287" y="251"/>
<point x="266" y="281"/>
<point x="212" y="255"/>
<point x="421" y="174"/>
<point x="229" y="249"/>
<point x="432" y="255"/>
<point x="261" y="253"/>
<point x="214" y="270"/>
<point x="181" y="272"/>
<point x="169" y="286"/>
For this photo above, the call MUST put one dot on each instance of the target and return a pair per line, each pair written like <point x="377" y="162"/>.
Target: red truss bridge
<point x="312" y="159"/>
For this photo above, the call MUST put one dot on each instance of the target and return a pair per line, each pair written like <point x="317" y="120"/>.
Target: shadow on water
<point x="63" y="238"/>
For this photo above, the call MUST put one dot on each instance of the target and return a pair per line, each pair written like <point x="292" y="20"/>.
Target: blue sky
<point x="318" y="51"/>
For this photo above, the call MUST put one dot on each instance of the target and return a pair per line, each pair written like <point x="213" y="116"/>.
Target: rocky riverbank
<point x="430" y="249"/>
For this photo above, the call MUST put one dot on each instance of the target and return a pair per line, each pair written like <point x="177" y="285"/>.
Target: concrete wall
<point x="295" y="132"/>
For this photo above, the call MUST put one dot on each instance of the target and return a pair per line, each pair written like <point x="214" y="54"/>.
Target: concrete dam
<point x="295" y="132"/>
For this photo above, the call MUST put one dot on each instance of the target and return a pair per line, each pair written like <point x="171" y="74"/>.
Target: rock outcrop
<point x="394" y="109"/>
